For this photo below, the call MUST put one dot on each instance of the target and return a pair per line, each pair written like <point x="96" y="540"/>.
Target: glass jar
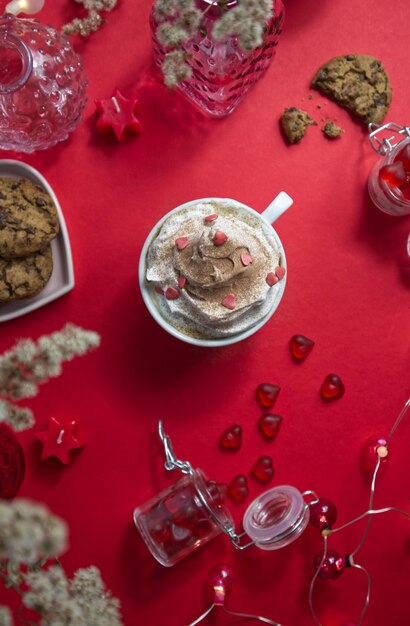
<point x="389" y="199"/>
<point x="276" y="518"/>
<point x="182" y="518"/>
<point x="222" y="73"/>
<point x="42" y="85"/>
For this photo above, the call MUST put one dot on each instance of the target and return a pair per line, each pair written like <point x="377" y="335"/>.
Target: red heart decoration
<point x="267" y="394"/>
<point x="229" y="302"/>
<point x="238" y="488"/>
<point x="219" y="238"/>
<point x="301" y="347"/>
<point x="231" y="438"/>
<point x="269" y="425"/>
<point x="262" y="470"/>
<point x="332" y="387"/>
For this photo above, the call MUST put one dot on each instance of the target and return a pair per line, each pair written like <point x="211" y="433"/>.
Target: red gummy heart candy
<point x="267" y="394"/>
<point x="301" y="347"/>
<point x="238" y="488"/>
<point x="231" y="438"/>
<point x="393" y="174"/>
<point x="263" y="469"/>
<point x="332" y="387"/>
<point x="269" y="425"/>
<point x="271" y="279"/>
<point x="210" y="218"/>
<point x="218" y="491"/>
<point x="280" y="272"/>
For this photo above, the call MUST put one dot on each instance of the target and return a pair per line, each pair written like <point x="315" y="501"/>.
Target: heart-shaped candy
<point x="231" y="438"/>
<point x="238" y="489"/>
<point x="262" y="470"/>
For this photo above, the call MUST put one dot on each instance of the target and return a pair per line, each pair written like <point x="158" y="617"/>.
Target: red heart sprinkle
<point x="332" y="387"/>
<point x="263" y="469"/>
<point x="172" y="293"/>
<point x="181" y="242"/>
<point x="393" y="174"/>
<point x="159" y="290"/>
<point x="246" y="259"/>
<point x="210" y="218"/>
<point x="272" y="279"/>
<point x="238" y="489"/>
<point x="231" y="438"/>
<point x="269" y="425"/>
<point x="280" y="272"/>
<point x="181" y="282"/>
<point x="301" y="347"/>
<point x="219" y="238"/>
<point x="267" y="394"/>
<point x="229" y="302"/>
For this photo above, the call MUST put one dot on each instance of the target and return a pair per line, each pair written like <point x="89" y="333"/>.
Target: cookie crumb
<point x="310" y="96"/>
<point x="332" y="131"/>
<point x="294" y="123"/>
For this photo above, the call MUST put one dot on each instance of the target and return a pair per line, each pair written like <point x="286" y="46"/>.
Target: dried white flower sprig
<point x="31" y="363"/>
<point x="29" y="536"/>
<point x="93" y="21"/>
<point x="29" y="533"/>
<point x="178" y="20"/>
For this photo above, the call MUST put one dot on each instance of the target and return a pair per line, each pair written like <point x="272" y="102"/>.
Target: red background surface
<point x="345" y="290"/>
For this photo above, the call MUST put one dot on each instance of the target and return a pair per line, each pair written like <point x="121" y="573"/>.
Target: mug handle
<point x="278" y="206"/>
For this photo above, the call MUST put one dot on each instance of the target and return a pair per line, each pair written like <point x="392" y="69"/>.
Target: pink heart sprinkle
<point x="280" y="272"/>
<point x="229" y="302"/>
<point x="159" y="290"/>
<point x="246" y="259"/>
<point x="220" y="238"/>
<point x="210" y="218"/>
<point x="272" y="279"/>
<point x="172" y="293"/>
<point x="181" y="282"/>
<point x="181" y="242"/>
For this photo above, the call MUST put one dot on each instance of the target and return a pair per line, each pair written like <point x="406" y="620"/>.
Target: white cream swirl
<point x="211" y="271"/>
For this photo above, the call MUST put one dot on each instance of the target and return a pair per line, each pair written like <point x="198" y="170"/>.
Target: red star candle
<point x="118" y="114"/>
<point x="60" y="438"/>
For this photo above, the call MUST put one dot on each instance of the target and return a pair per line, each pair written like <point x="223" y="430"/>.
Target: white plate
<point x="62" y="278"/>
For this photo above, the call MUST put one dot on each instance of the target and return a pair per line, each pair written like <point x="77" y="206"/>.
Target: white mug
<point x="278" y="206"/>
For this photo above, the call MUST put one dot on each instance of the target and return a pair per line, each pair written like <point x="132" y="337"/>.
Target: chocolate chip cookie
<point x="25" y="277"/>
<point x="331" y="130"/>
<point x="28" y="218"/>
<point x="357" y="82"/>
<point x="294" y="123"/>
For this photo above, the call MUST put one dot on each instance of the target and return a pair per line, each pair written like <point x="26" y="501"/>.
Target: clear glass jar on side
<point x="390" y="200"/>
<point x="182" y="518"/>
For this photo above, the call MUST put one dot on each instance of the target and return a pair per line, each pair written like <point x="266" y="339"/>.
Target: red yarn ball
<point x="12" y="463"/>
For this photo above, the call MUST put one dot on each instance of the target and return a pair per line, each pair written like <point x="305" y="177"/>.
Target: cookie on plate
<point x="28" y="218"/>
<point x="294" y="123"/>
<point x="357" y="82"/>
<point x="25" y="277"/>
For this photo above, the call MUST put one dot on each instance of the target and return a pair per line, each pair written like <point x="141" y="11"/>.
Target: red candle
<point x="60" y="438"/>
<point x="118" y="114"/>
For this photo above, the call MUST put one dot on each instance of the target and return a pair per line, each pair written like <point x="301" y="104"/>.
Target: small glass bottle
<point x="182" y="518"/>
<point x="222" y="73"/>
<point x="42" y="85"/>
<point x="389" y="141"/>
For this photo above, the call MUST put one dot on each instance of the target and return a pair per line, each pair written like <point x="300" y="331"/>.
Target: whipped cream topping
<point x="210" y="261"/>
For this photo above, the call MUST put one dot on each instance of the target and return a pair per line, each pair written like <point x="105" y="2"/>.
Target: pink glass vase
<point x="42" y="85"/>
<point x="223" y="73"/>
